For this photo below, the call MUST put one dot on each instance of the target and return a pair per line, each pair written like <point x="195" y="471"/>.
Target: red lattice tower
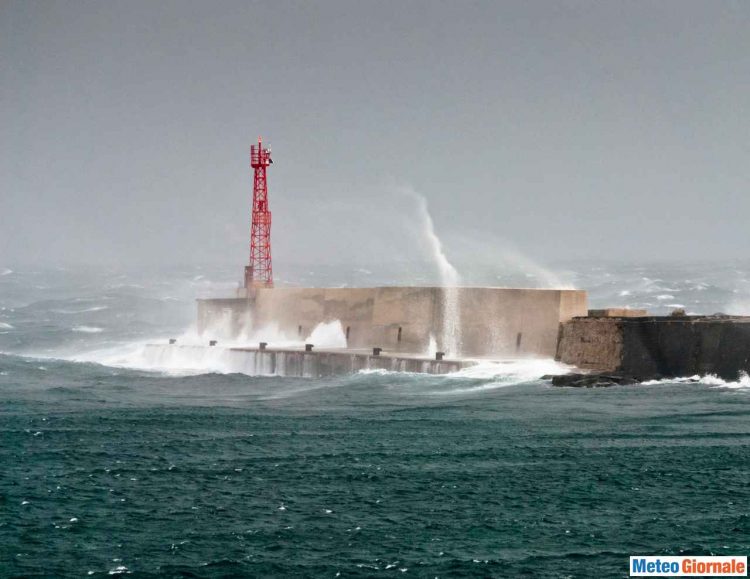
<point x="260" y="273"/>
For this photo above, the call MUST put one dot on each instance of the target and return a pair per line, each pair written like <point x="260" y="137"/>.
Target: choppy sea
<point x="107" y="468"/>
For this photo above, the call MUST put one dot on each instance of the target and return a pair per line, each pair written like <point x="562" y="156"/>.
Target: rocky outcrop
<point x="595" y="380"/>
<point x="647" y="348"/>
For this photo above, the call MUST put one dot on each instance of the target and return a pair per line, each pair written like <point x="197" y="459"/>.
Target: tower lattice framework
<point x="260" y="271"/>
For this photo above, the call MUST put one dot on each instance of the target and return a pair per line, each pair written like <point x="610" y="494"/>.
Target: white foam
<point x="708" y="380"/>
<point x="328" y="335"/>
<point x="194" y="355"/>
<point x="495" y="374"/>
<point x="83" y="311"/>
<point x="87" y="329"/>
<point x="716" y="382"/>
<point x="516" y="371"/>
<point x="182" y="360"/>
<point x="229" y="331"/>
<point x="6" y="271"/>
<point x="5" y="326"/>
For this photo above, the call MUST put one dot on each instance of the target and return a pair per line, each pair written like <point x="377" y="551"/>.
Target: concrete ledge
<point x="292" y="362"/>
<point x="617" y="313"/>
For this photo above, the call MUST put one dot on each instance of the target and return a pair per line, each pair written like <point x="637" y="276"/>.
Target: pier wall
<point x="287" y="362"/>
<point x="497" y="322"/>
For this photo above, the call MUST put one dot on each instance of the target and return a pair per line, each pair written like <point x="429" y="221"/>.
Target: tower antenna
<point x="260" y="272"/>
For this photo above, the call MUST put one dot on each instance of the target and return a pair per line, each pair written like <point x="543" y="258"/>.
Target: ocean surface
<point x="107" y="468"/>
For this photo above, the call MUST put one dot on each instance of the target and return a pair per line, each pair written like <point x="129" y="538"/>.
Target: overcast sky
<point x="557" y="129"/>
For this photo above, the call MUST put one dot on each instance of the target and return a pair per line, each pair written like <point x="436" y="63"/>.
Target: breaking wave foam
<point x="709" y="380"/>
<point x="83" y="311"/>
<point x="87" y="329"/>
<point x="491" y="375"/>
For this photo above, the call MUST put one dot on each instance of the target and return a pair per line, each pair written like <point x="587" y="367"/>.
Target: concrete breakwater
<point x="290" y="362"/>
<point x="622" y="345"/>
<point x="488" y="321"/>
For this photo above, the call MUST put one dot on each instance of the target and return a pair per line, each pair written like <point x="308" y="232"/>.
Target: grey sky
<point x="562" y="129"/>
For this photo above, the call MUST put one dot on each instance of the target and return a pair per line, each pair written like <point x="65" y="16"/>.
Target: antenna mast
<point x="260" y="272"/>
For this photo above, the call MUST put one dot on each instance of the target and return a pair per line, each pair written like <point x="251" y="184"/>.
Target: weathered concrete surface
<point x="497" y="322"/>
<point x="617" y="313"/>
<point x="654" y="347"/>
<point x="290" y="362"/>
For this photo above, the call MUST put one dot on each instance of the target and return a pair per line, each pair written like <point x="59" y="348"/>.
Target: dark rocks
<point x="592" y="380"/>
<point x="658" y="346"/>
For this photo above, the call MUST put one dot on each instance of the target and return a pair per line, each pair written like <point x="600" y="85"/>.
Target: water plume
<point x="328" y="335"/>
<point x="449" y="278"/>
<point x="448" y="274"/>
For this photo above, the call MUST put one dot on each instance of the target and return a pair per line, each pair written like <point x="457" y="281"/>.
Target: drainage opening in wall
<point x="518" y="340"/>
<point x="398" y="339"/>
<point x="347" y="332"/>
<point x="299" y="330"/>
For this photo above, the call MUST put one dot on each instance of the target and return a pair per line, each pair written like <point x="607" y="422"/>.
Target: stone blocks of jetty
<point x="653" y="347"/>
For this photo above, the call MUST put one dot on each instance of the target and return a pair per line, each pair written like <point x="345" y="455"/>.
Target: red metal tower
<point x="260" y="273"/>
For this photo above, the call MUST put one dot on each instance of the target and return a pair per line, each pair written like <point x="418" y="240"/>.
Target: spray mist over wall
<point x="426" y="228"/>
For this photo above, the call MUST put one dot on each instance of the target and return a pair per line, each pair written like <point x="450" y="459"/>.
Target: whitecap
<point x="87" y="329"/>
<point x="516" y="371"/>
<point x="83" y="311"/>
<point x="5" y="326"/>
<point x="742" y="382"/>
<point x="709" y="380"/>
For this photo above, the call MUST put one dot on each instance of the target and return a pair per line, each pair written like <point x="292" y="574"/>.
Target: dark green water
<point x="107" y="471"/>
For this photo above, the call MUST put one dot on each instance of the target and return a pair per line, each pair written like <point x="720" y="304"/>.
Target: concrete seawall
<point x="656" y="346"/>
<point x="497" y="322"/>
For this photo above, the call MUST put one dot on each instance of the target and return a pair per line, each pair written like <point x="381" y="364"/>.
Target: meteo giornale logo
<point x="730" y="566"/>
